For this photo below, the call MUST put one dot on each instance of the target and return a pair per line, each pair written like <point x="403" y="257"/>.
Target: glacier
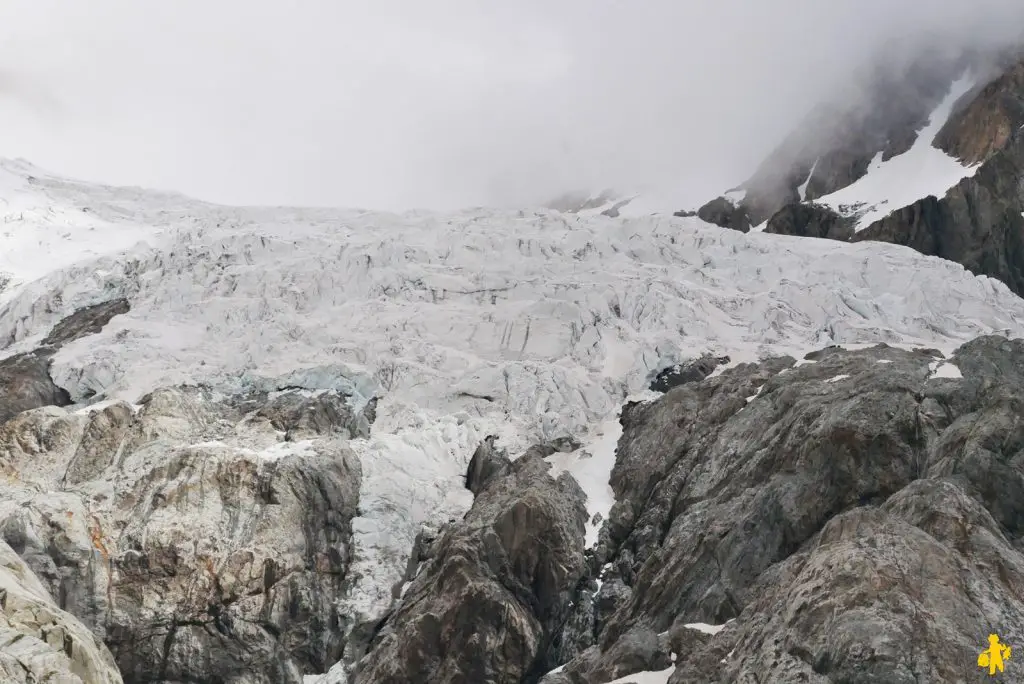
<point x="528" y="325"/>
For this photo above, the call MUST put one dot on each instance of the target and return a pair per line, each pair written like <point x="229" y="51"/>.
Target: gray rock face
<point x="86" y="321"/>
<point x="25" y="384"/>
<point x="889" y="102"/>
<point x="638" y="650"/>
<point x="809" y="220"/>
<point x="39" y="642"/>
<point x="301" y="416"/>
<point x="856" y="518"/>
<point x="880" y="112"/>
<point x="722" y="212"/>
<point x="986" y="124"/>
<point x="978" y="223"/>
<point x="486" y="606"/>
<point x="187" y="533"/>
<point x="487" y="463"/>
<point x="693" y="371"/>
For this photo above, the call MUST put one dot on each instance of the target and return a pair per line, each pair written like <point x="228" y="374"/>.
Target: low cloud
<point x="396" y="103"/>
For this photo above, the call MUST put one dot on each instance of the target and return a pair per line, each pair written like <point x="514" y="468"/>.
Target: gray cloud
<point x="396" y="103"/>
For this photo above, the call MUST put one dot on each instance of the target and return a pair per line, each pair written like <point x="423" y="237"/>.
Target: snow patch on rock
<point x="706" y="628"/>
<point x="944" y="369"/>
<point x="591" y="466"/>
<point x="646" y="677"/>
<point x="898" y="182"/>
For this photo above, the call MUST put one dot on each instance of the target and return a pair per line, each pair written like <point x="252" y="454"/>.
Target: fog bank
<point x="396" y="103"/>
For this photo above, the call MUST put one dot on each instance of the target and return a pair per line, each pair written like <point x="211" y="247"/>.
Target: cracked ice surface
<point x="522" y="324"/>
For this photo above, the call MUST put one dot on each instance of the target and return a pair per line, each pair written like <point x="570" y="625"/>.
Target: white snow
<point x="921" y="171"/>
<point x="39" y="235"/>
<point x="944" y="369"/>
<point x="646" y="677"/>
<point x="837" y="378"/>
<point x="526" y="325"/>
<point x="706" y="628"/>
<point x="663" y="199"/>
<point x="802" y="190"/>
<point x="591" y="466"/>
<point x="336" y="675"/>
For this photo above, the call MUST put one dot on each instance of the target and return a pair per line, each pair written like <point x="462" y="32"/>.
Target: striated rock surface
<point x="39" y="642"/>
<point x="485" y="606"/>
<point x="187" y="533"/>
<point x="988" y="121"/>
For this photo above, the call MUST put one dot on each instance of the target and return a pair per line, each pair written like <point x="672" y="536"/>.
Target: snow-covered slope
<point x="921" y="171"/>
<point x="891" y="184"/>
<point x="530" y="326"/>
<point x="39" y="234"/>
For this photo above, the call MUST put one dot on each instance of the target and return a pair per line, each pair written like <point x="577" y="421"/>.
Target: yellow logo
<point x="994" y="656"/>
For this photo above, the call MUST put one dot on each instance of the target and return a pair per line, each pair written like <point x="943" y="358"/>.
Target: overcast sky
<point x="433" y="103"/>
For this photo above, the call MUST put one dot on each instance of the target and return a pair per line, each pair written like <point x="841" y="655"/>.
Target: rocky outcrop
<point x="86" y="321"/>
<point x="39" y="642"/>
<point x="725" y="213"/>
<point x="25" y="384"/>
<point x="987" y="122"/>
<point x="692" y="371"/>
<point x="880" y="112"/>
<point x="858" y="516"/>
<point x="810" y="220"/>
<point x="488" y="462"/>
<point x="201" y="538"/>
<point x="304" y="415"/>
<point x="486" y="605"/>
<point x="25" y="381"/>
<point x="979" y="223"/>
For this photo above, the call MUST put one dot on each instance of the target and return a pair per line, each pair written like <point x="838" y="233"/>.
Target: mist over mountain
<point x="393" y="105"/>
